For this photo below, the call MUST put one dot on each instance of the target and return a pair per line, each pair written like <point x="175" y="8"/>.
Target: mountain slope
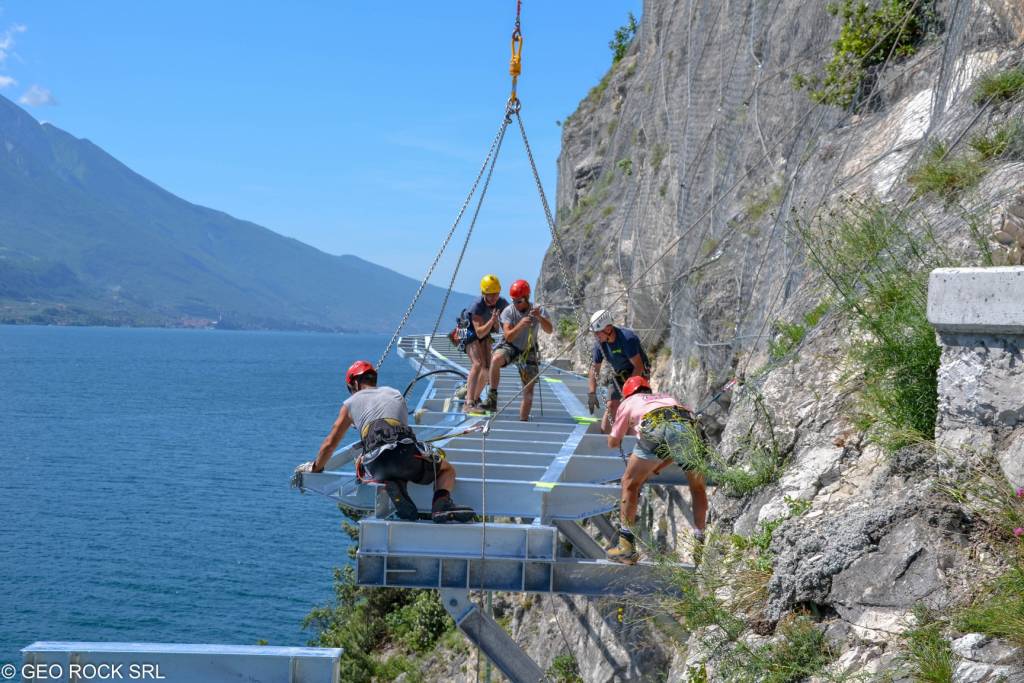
<point x="85" y="238"/>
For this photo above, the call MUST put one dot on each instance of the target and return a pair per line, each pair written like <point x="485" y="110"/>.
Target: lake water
<point x="144" y="494"/>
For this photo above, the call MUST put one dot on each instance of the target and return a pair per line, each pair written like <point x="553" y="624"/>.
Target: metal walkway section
<point x="554" y="472"/>
<point x="70" y="662"/>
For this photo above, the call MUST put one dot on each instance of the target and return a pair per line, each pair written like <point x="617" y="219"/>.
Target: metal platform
<point x="554" y="471"/>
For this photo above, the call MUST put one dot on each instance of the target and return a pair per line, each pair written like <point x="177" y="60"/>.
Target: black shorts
<point x="404" y="462"/>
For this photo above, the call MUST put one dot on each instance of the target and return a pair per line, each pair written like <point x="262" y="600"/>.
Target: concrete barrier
<point x="979" y="316"/>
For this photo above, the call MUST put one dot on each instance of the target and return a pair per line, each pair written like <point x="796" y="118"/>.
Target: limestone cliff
<point x="687" y="180"/>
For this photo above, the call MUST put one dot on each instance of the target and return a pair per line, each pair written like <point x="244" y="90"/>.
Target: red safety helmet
<point x="633" y="384"/>
<point x="357" y="370"/>
<point x="519" y="289"/>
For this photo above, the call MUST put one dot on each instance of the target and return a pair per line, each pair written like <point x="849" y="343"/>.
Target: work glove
<point x="592" y="404"/>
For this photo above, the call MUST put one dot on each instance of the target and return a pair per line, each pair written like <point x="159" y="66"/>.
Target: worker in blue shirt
<point x="621" y="347"/>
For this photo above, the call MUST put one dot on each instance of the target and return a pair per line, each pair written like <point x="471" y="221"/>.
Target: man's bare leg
<point x="479" y="358"/>
<point x="527" y="403"/>
<point x="699" y="497"/>
<point x="637" y="473"/>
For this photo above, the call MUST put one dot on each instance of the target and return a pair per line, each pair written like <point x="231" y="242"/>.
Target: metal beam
<point x="503" y="497"/>
<point x="580" y="539"/>
<point x="485" y="633"/>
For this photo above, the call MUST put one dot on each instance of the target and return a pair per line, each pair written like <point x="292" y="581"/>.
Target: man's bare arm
<point x="545" y="323"/>
<point x="332" y="440"/>
<point x="482" y="328"/>
<point x="592" y="377"/>
<point x="638" y="365"/>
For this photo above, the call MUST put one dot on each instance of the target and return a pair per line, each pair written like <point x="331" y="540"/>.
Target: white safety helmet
<point x="601" y="320"/>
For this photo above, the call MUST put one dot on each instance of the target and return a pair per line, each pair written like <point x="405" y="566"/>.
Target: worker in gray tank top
<point x="391" y="454"/>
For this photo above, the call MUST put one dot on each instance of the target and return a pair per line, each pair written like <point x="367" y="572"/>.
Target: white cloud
<point x="7" y="81"/>
<point x="7" y="40"/>
<point x="38" y="96"/>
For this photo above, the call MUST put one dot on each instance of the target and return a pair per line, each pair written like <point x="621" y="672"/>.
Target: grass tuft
<point x="1005" y="143"/>
<point x="801" y="652"/>
<point x="928" y="655"/>
<point x="944" y="174"/>
<point x="1001" y="86"/>
<point x="1000" y="613"/>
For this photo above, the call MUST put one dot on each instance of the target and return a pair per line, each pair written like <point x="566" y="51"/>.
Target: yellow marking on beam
<point x="553" y="380"/>
<point x="545" y="484"/>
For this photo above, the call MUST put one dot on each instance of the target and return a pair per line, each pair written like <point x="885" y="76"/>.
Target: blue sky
<point x="356" y="127"/>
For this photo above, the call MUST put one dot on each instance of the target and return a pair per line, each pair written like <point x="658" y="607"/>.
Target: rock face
<point x="684" y="179"/>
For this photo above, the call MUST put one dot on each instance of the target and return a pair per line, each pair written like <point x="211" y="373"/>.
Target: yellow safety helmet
<point x="489" y="284"/>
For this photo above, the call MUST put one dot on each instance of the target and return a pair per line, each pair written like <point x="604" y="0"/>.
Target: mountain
<point x="86" y="240"/>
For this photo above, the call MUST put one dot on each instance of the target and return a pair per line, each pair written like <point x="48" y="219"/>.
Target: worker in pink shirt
<point x="664" y="427"/>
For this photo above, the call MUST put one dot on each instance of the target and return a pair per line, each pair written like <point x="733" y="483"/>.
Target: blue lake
<point x="145" y="489"/>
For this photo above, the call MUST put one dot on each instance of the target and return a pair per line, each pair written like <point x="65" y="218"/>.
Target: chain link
<point x="430" y="272"/>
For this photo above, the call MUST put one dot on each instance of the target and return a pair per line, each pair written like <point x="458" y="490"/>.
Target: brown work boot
<point x="625" y="552"/>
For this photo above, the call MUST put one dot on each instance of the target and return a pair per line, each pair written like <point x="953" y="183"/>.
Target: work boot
<point x="491" y="404"/>
<point x="399" y="496"/>
<point x="625" y="552"/>
<point x="444" y="511"/>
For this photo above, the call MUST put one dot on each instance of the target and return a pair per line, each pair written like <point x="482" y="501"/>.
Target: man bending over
<point x="665" y="431"/>
<point x="391" y="455"/>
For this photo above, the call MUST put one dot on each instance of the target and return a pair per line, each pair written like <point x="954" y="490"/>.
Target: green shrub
<point x="362" y="620"/>
<point x="945" y="174"/>
<point x="568" y="328"/>
<point x="928" y="655"/>
<point x="622" y="39"/>
<point x="788" y="337"/>
<point x="1004" y="143"/>
<point x="1000" y="613"/>
<point x="355" y="623"/>
<point x="626" y="165"/>
<point x="395" y="666"/>
<point x="878" y="269"/>
<point x="1000" y="86"/>
<point x="564" y="669"/>
<point x="417" y="625"/>
<point x="868" y="38"/>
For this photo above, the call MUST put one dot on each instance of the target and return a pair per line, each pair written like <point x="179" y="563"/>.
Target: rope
<point x="444" y="245"/>
<point x="472" y="224"/>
